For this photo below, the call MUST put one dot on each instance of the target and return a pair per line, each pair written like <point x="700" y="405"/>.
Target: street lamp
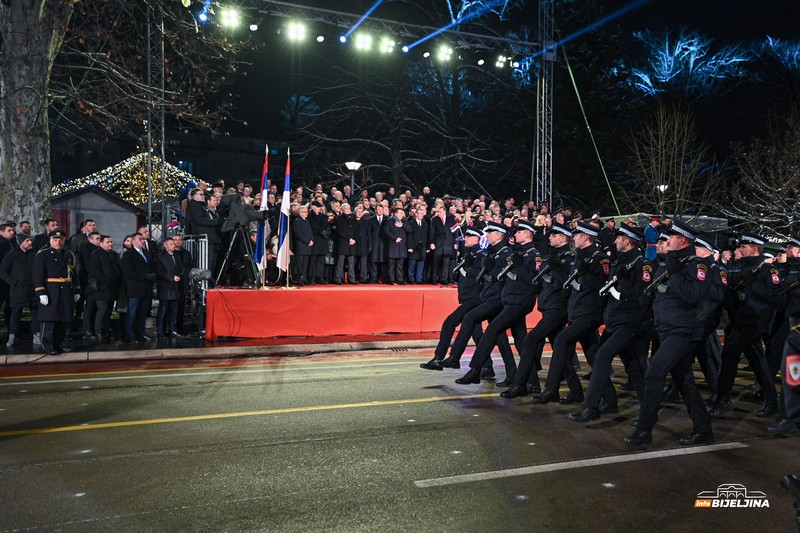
<point x="352" y="166"/>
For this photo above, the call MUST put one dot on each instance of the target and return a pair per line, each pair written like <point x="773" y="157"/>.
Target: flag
<point x="283" y="224"/>
<point x="259" y="255"/>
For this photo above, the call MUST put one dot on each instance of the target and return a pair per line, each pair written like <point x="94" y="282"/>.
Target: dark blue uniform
<point x="679" y="332"/>
<point x="709" y="312"/>
<point x="54" y="277"/>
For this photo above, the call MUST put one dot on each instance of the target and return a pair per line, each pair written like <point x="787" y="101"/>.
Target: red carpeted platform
<point x="329" y="310"/>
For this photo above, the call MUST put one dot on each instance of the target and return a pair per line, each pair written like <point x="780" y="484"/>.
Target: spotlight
<point x="480" y="62"/>
<point x="342" y="39"/>
<point x="386" y="46"/>
<point x="426" y="54"/>
<point x="296" y="31"/>
<point x="515" y="64"/>
<point x="229" y="17"/>
<point x="253" y="27"/>
<point x="363" y="42"/>
<point x="501" y="62"/>
<point x="203" y="16"/>
<point x="444" y="53"/>
<point x="320" y="38"/>
<point x="405" y="49"/>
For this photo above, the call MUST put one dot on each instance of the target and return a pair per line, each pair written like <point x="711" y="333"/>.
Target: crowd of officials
<point x="61" y="279"/>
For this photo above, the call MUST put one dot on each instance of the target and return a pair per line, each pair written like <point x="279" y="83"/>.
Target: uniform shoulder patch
<point x="606" y="266"/>
<point x="776" y="279"/>
<point x="647" y="271"/>
<point x="538" y="264"/>
<point x="792" y="374"/>
<point x="701" y="271"/>
<point x="723" y="275"/>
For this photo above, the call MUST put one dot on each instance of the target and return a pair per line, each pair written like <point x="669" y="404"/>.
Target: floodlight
<point x="444" y="53"/>
<point x="405" y="49"/>
<point x="342" y="39"/>
<point x="203" y="16"/>
<point x="480" y="62"/>
<point x="296" y="31"/>
<point x="386" y="46"/>
<point x="320" y="38"/>
<point x="253" y="27"/>
<point x="515" y="64"/>
<point x="426" y="54"/>
<point x="363" y="42"/>
<point x="229" y="17"/>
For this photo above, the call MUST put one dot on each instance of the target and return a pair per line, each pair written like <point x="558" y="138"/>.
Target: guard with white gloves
<point x="56" y="286"/>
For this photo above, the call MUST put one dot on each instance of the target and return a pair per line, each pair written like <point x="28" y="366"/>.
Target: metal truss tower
<point x="542" y="168"/>
<point x="155" y="113"/>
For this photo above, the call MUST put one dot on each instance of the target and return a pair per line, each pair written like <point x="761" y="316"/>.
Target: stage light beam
<point x="357" y="24"/>
<point x="296" y="31"/>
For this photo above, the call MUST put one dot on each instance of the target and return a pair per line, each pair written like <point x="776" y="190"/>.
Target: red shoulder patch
<point x="538" y="263"/>
<point x="776" y="280"/>
<point x="723" y="275"/>
<point x="792" y="374"/>
<point x="701" y="273"/>
<point x="606" y="268"/>
<point x="646" y="273"/>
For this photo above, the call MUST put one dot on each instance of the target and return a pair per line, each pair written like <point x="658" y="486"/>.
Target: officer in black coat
<point x="344" y="245"/>
<point x="517" y="298"/>
<point x="624" y="312"/>
<point x="681" y="285"/>
<point x="16" y="269"/>
<point x="754" y="285"/>
<point x="396" y="231"/>
<point x="139" y="273"/>
<point x="302" y="246"/>
<point x="103" y="285"/>
<point x="552" y="301"/>
<point x="363" y="243"/>
<point x="589" y="273"/>
<point x="377" y="246"/>
<point x="169" y="273"/>
<point x="321" y="233"/>
<point x="57" y="288"/>
<point x="492" y="263"/>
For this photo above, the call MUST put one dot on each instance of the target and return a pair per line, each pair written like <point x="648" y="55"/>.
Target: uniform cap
<point x="751" y="238"/>
<point x="473" y="233"/>
<point x="705" y="242"/>
<point x="493" y="226"/>
<point x="57" y="233"/>
<point x="561" y="228"/>
<point x="683" y="229"/>
<point x="526" y="226"/>
<point x="629" y="231"/>
<point x="794" y="240"/>
<point x="587" y="229"/>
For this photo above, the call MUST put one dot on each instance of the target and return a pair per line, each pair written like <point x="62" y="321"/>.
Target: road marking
<point x="209" y="372"/>
<point x="173" y="420"/>
<point x="567" y="465"/>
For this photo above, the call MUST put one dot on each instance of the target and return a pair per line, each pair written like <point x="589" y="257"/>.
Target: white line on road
<point x="271" y="369"/>
<point x="567" y="465"/>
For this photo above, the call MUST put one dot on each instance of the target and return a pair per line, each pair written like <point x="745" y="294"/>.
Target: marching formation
<point x="656" y="315"/>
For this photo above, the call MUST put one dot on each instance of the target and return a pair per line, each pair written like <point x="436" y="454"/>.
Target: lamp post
<point x="352" y="166"/>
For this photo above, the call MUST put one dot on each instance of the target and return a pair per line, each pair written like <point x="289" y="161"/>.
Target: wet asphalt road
<point x="356" y="442"/>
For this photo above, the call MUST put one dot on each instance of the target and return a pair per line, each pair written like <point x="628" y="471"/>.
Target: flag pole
<point x="288" y="223"/>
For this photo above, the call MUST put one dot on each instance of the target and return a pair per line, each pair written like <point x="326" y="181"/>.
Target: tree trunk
<point x="31" y="33"/>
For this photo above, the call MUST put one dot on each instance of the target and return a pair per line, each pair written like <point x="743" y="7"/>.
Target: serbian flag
<point x="283" y="223"/>
<point x="259" y="255"/>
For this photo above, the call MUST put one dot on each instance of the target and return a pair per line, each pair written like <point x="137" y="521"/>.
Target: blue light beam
<point x="605" y="20"/>
<point x="347" y="35"/>
<point x="466" y="18"/>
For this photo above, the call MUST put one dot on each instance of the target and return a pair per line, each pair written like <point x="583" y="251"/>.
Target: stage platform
<point x="323" y="310"/>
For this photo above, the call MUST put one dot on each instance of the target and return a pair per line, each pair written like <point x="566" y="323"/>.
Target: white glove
<point x="76" y="297"/>
<point x="44" y="300"/>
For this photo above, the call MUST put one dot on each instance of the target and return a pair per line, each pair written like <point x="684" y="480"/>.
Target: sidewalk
<point x="198" y="348"/>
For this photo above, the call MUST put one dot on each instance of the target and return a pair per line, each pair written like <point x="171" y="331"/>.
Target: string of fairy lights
<point x="128" y="180"/>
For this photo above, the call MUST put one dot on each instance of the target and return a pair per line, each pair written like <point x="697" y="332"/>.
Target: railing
<point x="197" y="245"/>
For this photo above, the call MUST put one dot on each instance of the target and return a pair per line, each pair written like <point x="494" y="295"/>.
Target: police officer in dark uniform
<point x="57" y="288"/>
<point x="681" y="284"/>
<point x="626" y="307"/>
<point x="754" y="285"/>
<point x="709" y="312"/>
<point x="468" y="298"/>
<point x="789" y="419"/>
<point x="552" y="302"/>
<point x="491" y="265"/>
<point x="590" y="270"/>
<point x="517" y="297"/>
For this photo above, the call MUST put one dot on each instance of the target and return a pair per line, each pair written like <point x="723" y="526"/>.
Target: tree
<point x="765" y="197"/>
<point x="671" y="170"/>
<point x="88" y="61"/>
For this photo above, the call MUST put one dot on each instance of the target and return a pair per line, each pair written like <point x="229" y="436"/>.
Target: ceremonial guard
<point x="754" y="286"/>
<point x="626" y="307"/>
<point x="57" y="288"/>
<point x="681" y="284"/>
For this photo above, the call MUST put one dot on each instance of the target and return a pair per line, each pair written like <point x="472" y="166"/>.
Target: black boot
<point x="586" y="415"/>
<point x="470" y="378"/>
<point x="770" y="409"/>
<point x="451" y="363"/>
<point x="514" y="392"/>
<point x="433" y="364"/>
<point x="546" y="397"/>
<point x="639" y="437"/>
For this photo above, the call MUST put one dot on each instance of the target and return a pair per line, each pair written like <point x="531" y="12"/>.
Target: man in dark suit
<point x="377" y="245"/>
<point x="169" y="272"/>
<point x="362" y="243"/>
<point x="7" y="244"/>
<point x="302" y="244"/>
<point x="396" y="231"/>
<point x="85" y="251"/>
<point x="102" y="286"/>
<point x="321" y="232"/>
<point x="186" y="259"/>
<point x="344" y="244"/>
<point x="43" y="239"/>
<point x="16" y="269"/>
<point x="208" y="222"/>
<point x="442" y="245"/>
<point x="139" y="273"/>
<point x="417" y="245"/>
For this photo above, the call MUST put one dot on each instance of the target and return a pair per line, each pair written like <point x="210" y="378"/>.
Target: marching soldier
<point x="57" y="288"/>
<point x="590" y="271"/>
<point x="681" y="284"/>
<point x="517" y="297"/>
<point x="755" y="286"/>
<point x="626" y="308"/>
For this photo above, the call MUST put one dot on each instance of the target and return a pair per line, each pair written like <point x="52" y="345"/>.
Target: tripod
<point x="239" y="232"/>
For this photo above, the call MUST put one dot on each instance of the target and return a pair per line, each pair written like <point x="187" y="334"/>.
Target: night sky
<point x="281" y="69"/>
